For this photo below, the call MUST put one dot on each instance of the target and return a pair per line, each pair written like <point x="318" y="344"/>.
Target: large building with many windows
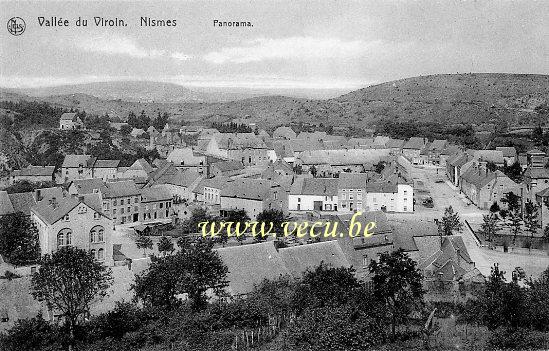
<point x="77" y="221"/>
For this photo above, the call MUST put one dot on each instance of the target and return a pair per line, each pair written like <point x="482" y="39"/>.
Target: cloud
<point x="118" y="45"/>
<point x="294" y="48"/>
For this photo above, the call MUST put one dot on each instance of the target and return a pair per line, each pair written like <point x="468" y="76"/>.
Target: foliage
<point x="165" y="245"/>
<point x="69" y="280"/>
<point x="450" y="222"/>
<point x="144" y="242"/>
<point x="517" y="339"/>
<point x="274" y="216"/>
<point x="125" y="129"/>
<point x="490" y="226"/>
<point x="160" y="121"/>
<point x="513" y="171"/>
<point x="397" y="284"/>
<point x="19" y="242"/>
<point x="25" y="186"/>
<point x="232" y="127"/>
<point x="191" y="272"/>
<point x="33" y="334"/>
<point x="512" y="214"/>
<point x="531" y="218"/>
<point x="198" y="215"/>
<point x="238" y="218"/>
<point x="33" y="113"/>
<point x="140" y="122"/>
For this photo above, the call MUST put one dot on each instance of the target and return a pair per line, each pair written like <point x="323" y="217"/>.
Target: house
<point x="137" y="132"/>
<point x="77" y="167"/>
<point x="253" y="196"/>
<point x="156" y="204"/>
<point x="450" y="270"/>
<point x="395" y="145"/>
<point x="105" y="169"/>
<point x="70" y="121"/>
<point x="396" y="195"/>
<point x="121" y="201"/>
<point x="484" y="187"/>
<point x="412" y="148"/>
<point x="283" y="132"/>
<point x="351" y="189"/>
<point x="453" y="166"/>
<point x="23" y="202"/>
<point x="509" y="154"/>
<point x="313" y="194"/>
<point x="244" y="147"/>
<point x="226" y="168"/>
<point x="435" y="150"/>
<point x="139" y="169"/>
<point x="187" y="158"/>
<point x="536" y="176"/>
<point x="178" y="182"/>
<point x="279" y="167"/>
<point x="74" y="221"/>
<point x="209" y="190"/>
<point x="330" y="162"/>
<point x="298" y="259"/>
<point x="490" y="156"/>
<point x="190" y="130"/>
<point x="34" y="174"/>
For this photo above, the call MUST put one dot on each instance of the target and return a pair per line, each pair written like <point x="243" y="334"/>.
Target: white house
<point x="70" y="121"/>
<point x="313" y="194"/>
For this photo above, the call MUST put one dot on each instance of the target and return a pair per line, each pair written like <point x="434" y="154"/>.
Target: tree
<point x="144" y="242"/>
<point x="514" y="172"/>
<point x="313" y="171"/>
<point x="538" y="295"/>
<point x="160" y="121"/>
<point x="546" y="233"/>
<point x="397" y="284"/>
<point x="33" y="334"/>
<point x="450" y="222"/>
<point x="491" y="226"/>
<point x="240" y="218"/>
<point x="192" y="272"/>
<point x="380" y="166"/>
<point x="125" y="129"/>
<point x="69" y="280"/>
<point x="165" y="245"/>
<point x="19" y="242"/>
<point x="531" y="220"/>
<point x="512" y="214"/>
<point x="491" y="166"/>
<point x="276" y="217"/>
<point x="495" y="208"/>
<point x="24" y="186"/>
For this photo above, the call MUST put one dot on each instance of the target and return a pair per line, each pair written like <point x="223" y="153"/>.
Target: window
<point x="114" y="211"/>
<point x="96" y="215"/>
<point x="405" y="192"/>
<point x="161" y="205"/>
<point x="82" y="209"/>
<point x="298" y="199"/>
<point x="100" y="255"/>
<point x="66" y="218"/>
<point x="122" y="210"/>
<point x="154" y="206"/>
<point x="135" y="200"/>
<point x="92" y="252"/>
<point x="64" y="237"/>
<point x="365" y="261"/>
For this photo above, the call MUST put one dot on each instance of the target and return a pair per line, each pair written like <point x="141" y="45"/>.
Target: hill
<point x="448" y="99"/>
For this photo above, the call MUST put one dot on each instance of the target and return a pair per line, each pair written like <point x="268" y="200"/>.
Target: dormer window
<point x="66" y="218"/>
<point x="96" y="215"/>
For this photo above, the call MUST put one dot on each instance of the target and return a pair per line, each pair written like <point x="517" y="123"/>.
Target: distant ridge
<point x="444" y="98"/>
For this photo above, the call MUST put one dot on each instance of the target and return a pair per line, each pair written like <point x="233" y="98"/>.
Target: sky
<point x="305" y="44"/>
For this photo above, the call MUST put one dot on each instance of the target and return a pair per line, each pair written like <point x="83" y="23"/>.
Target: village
<point x="123" y="215"/>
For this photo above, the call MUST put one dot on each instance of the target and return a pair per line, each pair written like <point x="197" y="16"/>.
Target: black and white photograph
<point x="274" y="175"/>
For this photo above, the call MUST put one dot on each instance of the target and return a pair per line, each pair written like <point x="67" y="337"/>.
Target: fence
<point x="251" y="338"/>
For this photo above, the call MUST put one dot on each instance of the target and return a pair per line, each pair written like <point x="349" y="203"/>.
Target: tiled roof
<point x="106" y="163"/>
<point x="46" y="171"/>
<point x="50" y="214"/>
<point x="228" y="166"/>
<point x="74" y="161"/>
<point x="343" y="157"/>
<point x="245" y="188"/>
<point x="416" y="143"/>
<point x="494" y="156"/>
<point x="215" y="183"/>
<point x="121" y="189"/>
<point x="249" y="265"/>
<point x="395" y="143"/>
<point x="299" y="259"/>
<point x="69" y="116"/>
<point x="284" y="132"/>
<point x="353" y="180"/>
<point x="315" y="186"/>
<point x="508" y="151"/>
<point x="23" y="202"/>
<point x="439" y="144"/>
<point x="87" y="186"/>
<point x="155" y="194"/>
<point x="142" y="164"/>
<point x="6" y="206"/>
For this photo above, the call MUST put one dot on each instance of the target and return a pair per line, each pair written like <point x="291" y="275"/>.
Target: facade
<point x="187" y="158"/>
<point x="156" y="204"/>
<point x="105" y="169"/>
<point x="121" y="201"/>
<point x="484" y="188"/>
<point x="34" y="174"/>
<point x="412" y="149"/>
<point x="69" y="121"/>
<point x="253" y="196"/>
<point x="509" y="154"/>
<point x="313" y="194"/>
<point x="226" y="168"/>
<point x="351" y="191"/>
<point x="74" y="221"/>
<point x="77" y="167"/>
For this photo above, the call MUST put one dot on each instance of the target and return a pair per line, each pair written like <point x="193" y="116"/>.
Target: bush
<point x="517" y="339"/>
<point x="30" y="335"/>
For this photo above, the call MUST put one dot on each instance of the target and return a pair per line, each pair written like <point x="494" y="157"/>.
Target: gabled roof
<point x="353" y="180"/>
<point x="508" y="151"/>
<point x="439" y="144"/>
<point x="36" y="171"/>
<point x="87" y="186"/>
<point x="415" y="143"/>
<point x="284" y="132"/>
<point x="215" y="183"/>
<point x="6" y="206"/>
<point x="299" y="259"/>
<point x="75" y="161"/>
<point x="155" y="194"/>
<point x="142" y="164"/>
<point x="314" y="186"/>
<point x="53" y="210"/>
<point x="228" y="166"/>
<point x="249" y="265"/>
<point x="68" y="116"/>
<point x="106" y="163"/>
<point x="478" y="178"/>
<point x="341" y="157"/>
<point x="494" y="156"/>
<point x="121" y="189"/>
<point x="23" y="202"/>
<point x="246" y="188"/>
<point x="395" y="143"/>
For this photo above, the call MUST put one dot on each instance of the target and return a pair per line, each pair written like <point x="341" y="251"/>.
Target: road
<point x="444" y="195"/>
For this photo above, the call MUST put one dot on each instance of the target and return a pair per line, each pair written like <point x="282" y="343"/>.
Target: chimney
<point x="38" y="195"/>
<point x="81" y="198"/>
<point x="53" y="203"/>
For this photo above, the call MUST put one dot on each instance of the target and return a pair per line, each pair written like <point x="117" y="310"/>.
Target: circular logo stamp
<point x="16" y="26"/>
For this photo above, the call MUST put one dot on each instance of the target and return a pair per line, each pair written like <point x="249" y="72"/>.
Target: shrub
<point x="517" y="339"/>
